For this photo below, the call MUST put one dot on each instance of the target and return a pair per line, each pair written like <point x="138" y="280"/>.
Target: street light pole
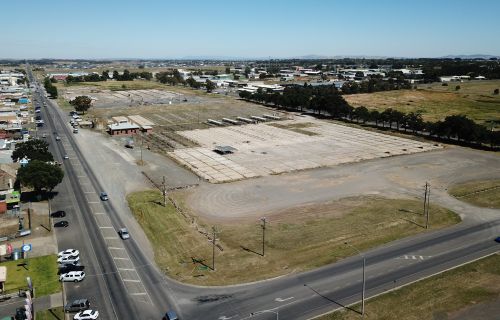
<point x="263" y="219"/>
<point x="364" y="279"/>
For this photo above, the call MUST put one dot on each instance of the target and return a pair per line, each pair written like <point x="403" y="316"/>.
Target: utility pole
<point x="364" y="278"/>
<point x="263" y="225"/>
<point x="425" y="197"/>
<point x="214" y="234"/>
<point x="164" y="191"/>
<point x="29" y="215"/>
<point x="142" y="141"/>
<point x="427" y="207"/>
<point x="50" y="222"/>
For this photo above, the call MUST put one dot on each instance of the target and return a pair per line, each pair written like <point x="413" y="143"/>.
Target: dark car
<point x="497" y="239"/>
<point x="104" y="196"/>
<point x="77" y="305"/>
<point x="61" y="224"/>
<point x="69" y="268"/>
<point x="20" y="313"/>
<point x="58" y="214"/>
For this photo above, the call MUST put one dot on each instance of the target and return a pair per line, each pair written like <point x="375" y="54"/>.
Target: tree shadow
<point x="252" y="251"/>
<point x="33" y="196"/>
<point x="331" y="300"/>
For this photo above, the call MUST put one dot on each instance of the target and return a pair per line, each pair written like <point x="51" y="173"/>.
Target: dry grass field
<point x="475" y="99"/>
<point x="485" y="193"/>
<point x="468" y="292"/>
<point x="297" y="239"/>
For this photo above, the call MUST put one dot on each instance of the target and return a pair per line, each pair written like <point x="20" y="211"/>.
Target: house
<point x="122" y="126"/>
<point x="145" y="125"/>
<point x="8" y="197"/>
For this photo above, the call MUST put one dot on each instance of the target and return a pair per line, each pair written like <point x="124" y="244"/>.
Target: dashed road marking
<point x="131" y="280"/>
<point x="126" y="269"/>
<point x="98" y="212"/>
<point x="119" y="258"/>
<point x="138" y="294"/>
<point x="104" y="227"/>
<point x="111" y="238"/>
<point x="116" y="248"/>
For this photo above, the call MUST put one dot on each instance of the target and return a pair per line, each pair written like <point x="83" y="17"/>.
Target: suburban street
<point x="123" y="283"/>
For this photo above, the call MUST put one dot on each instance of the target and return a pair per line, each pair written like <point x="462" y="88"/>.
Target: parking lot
<point x="264" y="149"/>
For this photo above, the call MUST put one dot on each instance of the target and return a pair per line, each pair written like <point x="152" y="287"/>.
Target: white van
<point x="72" y="276"/>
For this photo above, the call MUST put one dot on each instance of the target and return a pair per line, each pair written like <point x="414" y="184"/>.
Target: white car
<point x="123" y="232"/>
<point x="69" y="253"/>
<point x="69" y="260"/>
<point x="72" y="276"/>
<point x="87" y="314"/>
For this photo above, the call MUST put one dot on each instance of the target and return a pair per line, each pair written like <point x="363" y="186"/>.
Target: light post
<point x="264" y="311"/>
<point x="364" y="279"/>
<point x="263" y="225"/>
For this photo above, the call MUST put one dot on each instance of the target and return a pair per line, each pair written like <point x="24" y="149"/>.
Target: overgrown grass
<point x="298" y="240"/>
<point x="475" y="99"/>
<point x="41" y="270"/>
<point x="51" y="314"/>
<point x="436" y="297"/>
<point x="484" y="193"/>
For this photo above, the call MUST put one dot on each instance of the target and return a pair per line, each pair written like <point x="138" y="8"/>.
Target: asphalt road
<point x="298" y="296"/>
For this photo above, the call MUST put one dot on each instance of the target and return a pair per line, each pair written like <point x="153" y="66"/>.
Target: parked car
<point x="66" y="156"/>
<point x="87" y="315"/>
<point x="171" y="315"/>
<point x="72" y="276"/>
<point x="61" y="224"/>
<point x="69" y="268"/>
<point x="68" y="253"/>
<point x="77" y="305"/>
<point x="123" y="232"/>
<point x="58" y="214"/>
<point x="58" y="138"/>
<point x="497" y="239"/>
<point x="104" y="196"/>
<point x="69" y="259"/>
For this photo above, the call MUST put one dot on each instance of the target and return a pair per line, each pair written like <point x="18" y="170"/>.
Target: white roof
<point x="122" y="126"/>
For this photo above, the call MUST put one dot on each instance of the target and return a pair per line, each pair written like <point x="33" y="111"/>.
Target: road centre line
<point x="116" y="248"/>
<point x="138" y="294"/>
<point x="119" y="258"/>
<point x="131" y="280"/>
<point x="126" y="269"/>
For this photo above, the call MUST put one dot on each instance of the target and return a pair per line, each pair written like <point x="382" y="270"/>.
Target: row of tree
<point x="327" y="100"/>
<point x="50" y="88"/>
<point x="375" y="84"/>
<point x="125" y="76"/>
<point x="41" y="172"/>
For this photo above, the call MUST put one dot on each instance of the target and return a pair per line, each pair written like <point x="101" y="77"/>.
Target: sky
<point x="95" y="29"/>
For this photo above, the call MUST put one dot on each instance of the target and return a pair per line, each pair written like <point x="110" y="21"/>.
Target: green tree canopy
<point x="40" y="175"/>
<point x="81" y="103"/>
<point x="210" y="86"/>
<point x="34" y="149"/>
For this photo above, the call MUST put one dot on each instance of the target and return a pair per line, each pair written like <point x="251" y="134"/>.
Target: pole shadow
<point x="415" y="223"/>
<point x="252" y="251"/>
<point x="331" y="300"/>
<point x="55" y="315"/>
<point x="201" y="261"/>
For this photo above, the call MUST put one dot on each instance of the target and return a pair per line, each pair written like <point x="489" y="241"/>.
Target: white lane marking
<point x="283" y="299"/>
<point x="118" y="258"/>
<point x="126" y="269"/>
<point x="88" y="192"/>
<point x="93" y="202"/>
<point x="111" y="238"/>
<point x="98" y="212"/>
<point x="131" y="280"/>
<point x="105" y="227"/>
<point x="116" y="248"/>
<point x="138" y="294"/>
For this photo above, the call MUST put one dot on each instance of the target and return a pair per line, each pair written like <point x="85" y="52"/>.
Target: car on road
<point x="69" y="268"/>
<point x="69" y="259"/>
<point x="58" y="214"/>
<point x="497" y="239"/>
<point x="68" y="253"/>
<point x="87" y="315"/>
<point x="72" y="276"/>
<point x="123" y="232"/>
<point x="75" y="130"/>
<point x="58" y="138"/>
<point x="104" y="196"/>
<point x="66" y="156"/>
<point x="77" y="305"/>
<point x="171" y="315"/>
<point x="44" y="135"/>
<point x="61" y="224"/>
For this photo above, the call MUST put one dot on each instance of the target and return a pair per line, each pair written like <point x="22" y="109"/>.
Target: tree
<point x="457" y="88"/>
<point x="210" y="86"/>
<point x="247" y="71"/>
<point x="34" y="149"/>
<point x="81" y="103"/>
<point x="495" y="91"/>
<point x="40" y="175"/>
<point x="228" y="70"/>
